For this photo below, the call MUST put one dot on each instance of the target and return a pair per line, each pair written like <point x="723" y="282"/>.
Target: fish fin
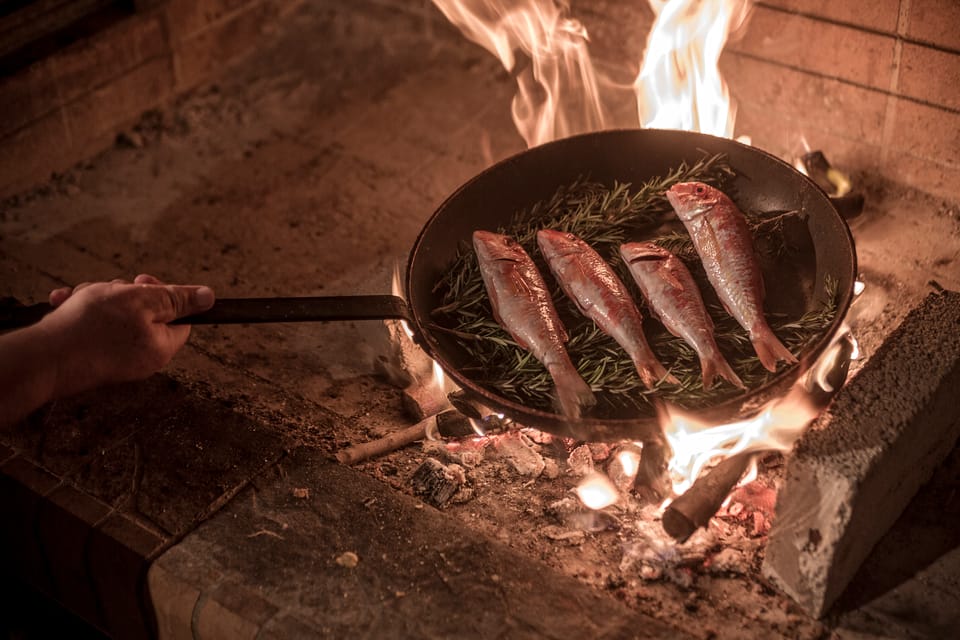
<point x="716" y="365"/>
<point x="670" y="277"/>
<point x="768" y="347"/>
<point x="573" y="394"/>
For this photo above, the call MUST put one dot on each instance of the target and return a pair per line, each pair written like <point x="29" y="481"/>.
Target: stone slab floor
<point x="204" y="500"/>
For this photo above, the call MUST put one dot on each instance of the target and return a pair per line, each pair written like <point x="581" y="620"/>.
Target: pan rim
<point x="736" y="407"/>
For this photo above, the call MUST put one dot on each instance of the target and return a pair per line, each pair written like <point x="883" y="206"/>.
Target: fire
<point x="775" y="428"/>
<point x="679" y="85"/>
<point x="629" y="462"/>
<point x="596" y="491"/>
<point x="557" y="93"/>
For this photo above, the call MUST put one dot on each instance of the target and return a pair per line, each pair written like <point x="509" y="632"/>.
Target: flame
<point x="596" y="491"/>
<point x="776" y="427"/>
<point x="679" y="85"/>
<point x="629" y="462"/>
<point x="557" y="93"/>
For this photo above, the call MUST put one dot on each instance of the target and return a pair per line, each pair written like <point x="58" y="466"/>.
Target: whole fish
<point x="674" y="297"/>
<point x="522" y="306"/>
<point x="722" y="238"/>
<point x="601" y="296"/>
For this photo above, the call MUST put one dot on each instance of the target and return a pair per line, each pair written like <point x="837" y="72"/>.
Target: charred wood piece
<point x="392" y="442"/>
<point x="436" y="483"/>
<point x="701" y="502"/>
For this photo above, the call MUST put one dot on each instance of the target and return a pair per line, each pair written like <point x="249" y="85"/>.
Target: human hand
<point x="116" y="331"/>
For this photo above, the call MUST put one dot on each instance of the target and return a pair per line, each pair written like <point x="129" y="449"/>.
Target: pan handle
<point x="256" y="310"/>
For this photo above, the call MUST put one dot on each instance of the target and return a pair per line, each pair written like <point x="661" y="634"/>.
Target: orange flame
<point x="596" y="491"/>
<point x="557" y="92"/>
<point x="679" y="85"/>
<point x="775" y="428"/>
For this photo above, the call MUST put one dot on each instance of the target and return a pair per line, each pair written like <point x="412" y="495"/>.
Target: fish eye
<point x="700" y="190"/>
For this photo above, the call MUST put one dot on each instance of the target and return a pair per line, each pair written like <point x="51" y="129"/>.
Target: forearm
<point x="28" y="372"/>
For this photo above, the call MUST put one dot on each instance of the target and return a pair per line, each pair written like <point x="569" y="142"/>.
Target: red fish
<point x="722" y="238"/>
<point x="522" y="306"/>
<point x="601" y="296"/>
<point x="674" y="297"/>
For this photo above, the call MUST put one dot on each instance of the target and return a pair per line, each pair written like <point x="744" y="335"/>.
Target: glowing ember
<point x="629" y="462"/>
<point x="679" y="85"/>
<point x="596" y="491"/>
<point x="557" y="92"/>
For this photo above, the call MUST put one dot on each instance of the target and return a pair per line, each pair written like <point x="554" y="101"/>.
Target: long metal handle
<point x="257" y="310"/>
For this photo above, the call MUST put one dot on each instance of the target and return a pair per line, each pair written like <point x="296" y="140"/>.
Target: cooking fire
<point x="608" y="319"/>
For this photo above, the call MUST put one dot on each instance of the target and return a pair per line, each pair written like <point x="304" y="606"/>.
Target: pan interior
<point x="762" y="183"/>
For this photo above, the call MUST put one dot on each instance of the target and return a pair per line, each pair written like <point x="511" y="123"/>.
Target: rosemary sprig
<point x="606" y="216"/>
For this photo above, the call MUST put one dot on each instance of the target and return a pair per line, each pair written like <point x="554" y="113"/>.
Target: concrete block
<point x="856" y="469"/>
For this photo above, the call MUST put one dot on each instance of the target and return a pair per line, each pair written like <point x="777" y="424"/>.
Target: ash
<point x="518" y="487"/>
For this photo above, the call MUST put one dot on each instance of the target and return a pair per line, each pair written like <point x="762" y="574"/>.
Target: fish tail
<point x="652" y="370"/>
<point x="714" y="365"/>
<point x="768" y="347"/>
<point x="573" y="394"/>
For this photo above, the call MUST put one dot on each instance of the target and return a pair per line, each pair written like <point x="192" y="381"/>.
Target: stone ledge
<point x="420" y="573"/>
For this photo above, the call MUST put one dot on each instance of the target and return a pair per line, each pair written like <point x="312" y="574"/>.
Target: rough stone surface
<point x="412" y="578"/>
<point x="853" y="473"/>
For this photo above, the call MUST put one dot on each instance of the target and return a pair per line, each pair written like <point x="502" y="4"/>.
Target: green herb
<point x="604" y="217"/>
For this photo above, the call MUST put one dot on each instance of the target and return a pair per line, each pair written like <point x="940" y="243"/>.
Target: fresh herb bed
<point x="606" y="216"/>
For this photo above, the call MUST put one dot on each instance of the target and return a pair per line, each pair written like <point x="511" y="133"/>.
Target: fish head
<point x="643" y="254"/>
<point x="491" y="246"/>
<point x="693" y="199"/>
<point x="559" y="243"/>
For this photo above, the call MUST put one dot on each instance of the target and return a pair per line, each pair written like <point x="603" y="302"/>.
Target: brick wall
<point x="70" y="105"/>
<point x="875" y="85"/>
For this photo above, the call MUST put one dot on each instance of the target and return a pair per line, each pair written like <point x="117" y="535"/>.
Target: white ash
<point x="467" y="453"/>
<point x="572" y="537"/>
<point x="520" y="452"/>
<point x="580" y="461"/>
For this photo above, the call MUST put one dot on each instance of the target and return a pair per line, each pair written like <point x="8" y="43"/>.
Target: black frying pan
<point x="762" y="183"/>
